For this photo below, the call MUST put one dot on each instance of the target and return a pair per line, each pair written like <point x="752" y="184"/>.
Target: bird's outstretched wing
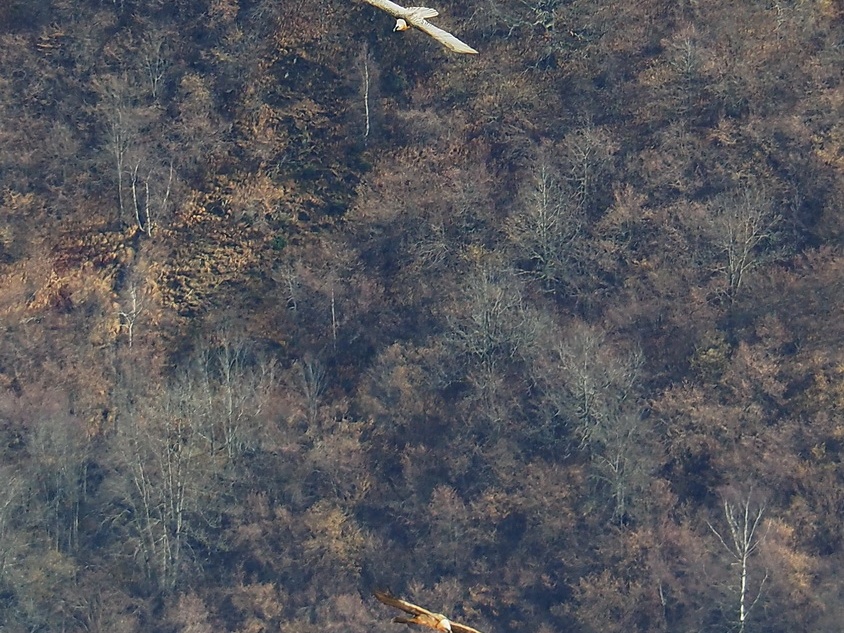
<point x="404" y="605"/>
<point x="396" y="10"/>
<point x="415" y="609"/>
<point x="456" y="627"/>
<point x="443" y="37"/>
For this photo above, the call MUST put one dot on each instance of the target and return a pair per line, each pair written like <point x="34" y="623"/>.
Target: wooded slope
<point x="294" y="307"/>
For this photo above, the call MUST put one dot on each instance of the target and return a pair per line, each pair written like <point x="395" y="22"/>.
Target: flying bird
<point x="418" y="17"/>
<point x="423" y="617"/>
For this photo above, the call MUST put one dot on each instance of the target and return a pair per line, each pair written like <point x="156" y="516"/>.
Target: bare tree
<point x="118" y="135"/>
<point x="491" y="330"/>
<point x="588" y="154"/>
<point x="60" y="449"/>
<point x="546" y="229"/>
<point x="741" y="540"/>
<point x="143" y="165"/>
<point x="130" y="314"/>
<point x="10" y="495"/>
<point x="591" y="386"/>
<point x="228" y="387"/>
<point x="685" y="57"/>
<point x="165" y="468"/>
<point x="150" y="194"/>
<point x="619" y="461"/>
<point x="155" y="59"/>
<point x="743" y="225"/>
<point x="527" y="15"/>
<point x="312" y="382"/>
<point x="598" y="381"/>
<point x="492" y="324"/>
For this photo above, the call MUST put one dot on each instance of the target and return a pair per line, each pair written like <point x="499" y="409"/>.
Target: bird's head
<point x="444" y="625"/>
<point x="401" y="25"/>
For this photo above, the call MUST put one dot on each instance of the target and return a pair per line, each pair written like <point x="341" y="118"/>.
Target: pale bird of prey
<point x="418" y="17"/>
<point x="423" y="617"/>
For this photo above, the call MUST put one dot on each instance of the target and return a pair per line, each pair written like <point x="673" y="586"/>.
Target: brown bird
<point x="423" y="617"/>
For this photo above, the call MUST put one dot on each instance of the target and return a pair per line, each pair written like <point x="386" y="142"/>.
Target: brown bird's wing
<point x="404" y="605"/>
<point x="456" y="627"/>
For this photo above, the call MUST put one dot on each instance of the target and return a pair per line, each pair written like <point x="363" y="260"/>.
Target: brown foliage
<point x="505" y="352"/>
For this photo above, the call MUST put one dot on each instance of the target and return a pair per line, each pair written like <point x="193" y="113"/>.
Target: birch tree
<point x="151" y="188"/>
<point x="142" y="162"/>
<point x="741" y="539"/>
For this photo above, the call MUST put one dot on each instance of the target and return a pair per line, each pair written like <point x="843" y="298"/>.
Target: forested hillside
<point x="293" y="307"/>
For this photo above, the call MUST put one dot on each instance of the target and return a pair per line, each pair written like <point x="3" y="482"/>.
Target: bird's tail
<point x="400" y="620"/>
